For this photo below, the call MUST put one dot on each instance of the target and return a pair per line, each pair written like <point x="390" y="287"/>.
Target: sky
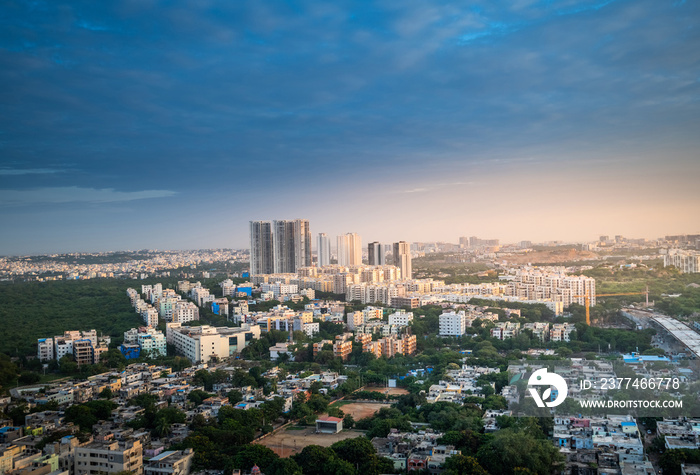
<point x="170" y="125"/>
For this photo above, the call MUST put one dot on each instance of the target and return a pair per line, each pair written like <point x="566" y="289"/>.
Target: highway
<point x="680" y="331"/>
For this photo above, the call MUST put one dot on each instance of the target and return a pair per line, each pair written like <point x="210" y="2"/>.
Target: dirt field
<point x="360" y="410"/>
<point x="289" y="442"/>
<point x="385" y="390"/>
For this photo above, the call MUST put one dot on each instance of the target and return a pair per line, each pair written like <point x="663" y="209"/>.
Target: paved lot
<point x="290" y="442"/>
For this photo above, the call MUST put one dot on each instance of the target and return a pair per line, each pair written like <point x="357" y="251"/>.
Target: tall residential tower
<point x="324" y="250"/>
<point x="349" y="249"/>
<point x="402" y="259"/>
<point x="375" y="254"/>
<point x="261" y="247"/>
<point x="279" y="247"/>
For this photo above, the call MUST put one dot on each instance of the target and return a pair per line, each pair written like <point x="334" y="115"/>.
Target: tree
<point x="254" y="454"/>
<point x="316" y="460"/>
<point x="197" y="396"/>
<point x="510" y="449"/>
<point x="283" y="466"/>
<point x="163" y="427"/>
<point x="463" y="465"/>
<point x="348" y="421"/>
<point x="106" y="393"/>
<point x="234" y="396"/>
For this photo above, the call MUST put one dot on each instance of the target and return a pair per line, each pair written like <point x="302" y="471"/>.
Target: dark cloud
<point x="193" y="96"/>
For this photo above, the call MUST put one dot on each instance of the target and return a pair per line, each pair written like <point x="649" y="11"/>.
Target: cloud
<point x="29" y="171"/>
<point x="74" y="194"/>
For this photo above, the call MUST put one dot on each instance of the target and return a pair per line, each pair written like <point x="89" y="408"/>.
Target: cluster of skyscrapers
<point x="284" y="246"/>
<point x="280" y="246"/>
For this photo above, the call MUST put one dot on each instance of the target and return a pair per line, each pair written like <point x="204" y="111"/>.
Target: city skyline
<point x="122" y="124"/>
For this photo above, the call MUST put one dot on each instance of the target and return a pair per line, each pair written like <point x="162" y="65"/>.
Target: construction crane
<point x="587" y="298"/>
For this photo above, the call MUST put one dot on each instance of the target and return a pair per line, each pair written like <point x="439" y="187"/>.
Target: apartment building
<point x="318" y="346"/>
<point x="64" y="345"/>
<point x="201" y="296"/>
<point x="401" y="318"/>
<point x="45" y="349"/>
<point x="172" y="462"/>
<point x="349" y="249"/>
<point x="402" y="259"/>
<point x="452" y="323"/>
<point x="323" y="250"/>
<point x="561" y="331"/>
<point x="200" y="344"/>
<point x="505" y="330"/>
<point x="185" y="312"/>
<point x="150" y="316"/>
<point x="228" y="288"/>
<point x="686" y="261"/>
<point x="98" y="458"/>
<point x="375" y="254"/>
<point x="355" y="319"/>
<point x="540" y="330"/>
<point x="342" y="348"/>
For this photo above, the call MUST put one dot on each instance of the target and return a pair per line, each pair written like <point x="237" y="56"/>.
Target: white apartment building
<point x="561" y="331"/>
<point x="200" y="344"/>
<point x="323" y="249"/>
<point x="45" y="349"/>
<point x="453" y="324"/>
<point x="401" y="318"/>
<point x="63" y="345"/>
<point x="185" y="312"/>
<point x="540" y="330"/>
<point x="505" y="330"/>
<point x="687" y="262"/>
<point x="228" y="288"/>
<point x="279" y="289"/>
<point x="310" y="329"/>
<point x="150" y="316"/>
<point x="349" y="249"/>
<point x="371" y="313"/>
<point x="201" y="296"/>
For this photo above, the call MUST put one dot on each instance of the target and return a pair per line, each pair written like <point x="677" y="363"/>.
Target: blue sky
<point x="146" y="124"/>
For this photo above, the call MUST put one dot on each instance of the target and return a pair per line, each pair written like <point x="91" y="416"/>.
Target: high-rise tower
<point x="324" y="249"/>
<point x="349" y="249"/>
<point x="375" y="254"/>
<point x="279" y="247"/>
<point x="261" y="248"/>
<point x="402" y="259"/>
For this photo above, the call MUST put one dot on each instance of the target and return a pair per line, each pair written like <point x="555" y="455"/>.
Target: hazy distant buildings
<point x="323" y="249"/>
<point x="349" y="250"/>
<point x="687" y="262"/>
<point x="375" y="254"/>
<point x="280" y="246"/>
<point x="402" y="259"/>
<point x="476" y="242"/>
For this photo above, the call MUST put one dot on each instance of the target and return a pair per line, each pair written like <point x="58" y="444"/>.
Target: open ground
<point x="290" y="441"/>
<point x="385" y="390"/>
<point x="360" y="410"/>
